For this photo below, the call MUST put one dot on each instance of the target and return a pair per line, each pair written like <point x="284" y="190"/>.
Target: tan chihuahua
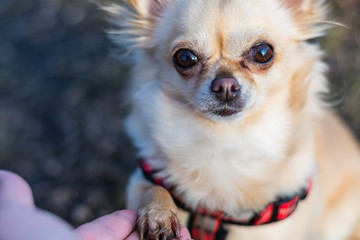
<point x="235" y="141"/>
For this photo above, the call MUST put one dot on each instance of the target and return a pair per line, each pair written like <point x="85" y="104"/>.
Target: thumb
<point x="15" y="190"/>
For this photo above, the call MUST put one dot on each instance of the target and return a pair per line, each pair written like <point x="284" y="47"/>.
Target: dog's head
<point x="224" y="59"/>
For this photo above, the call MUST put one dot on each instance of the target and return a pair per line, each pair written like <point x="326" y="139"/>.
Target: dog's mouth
<point x="226" y="111"/>
<point x="223" y="109"/>
<point x="229" y="108"/>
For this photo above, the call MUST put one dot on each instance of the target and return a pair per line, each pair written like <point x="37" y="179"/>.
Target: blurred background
<point x="62" y="94"/>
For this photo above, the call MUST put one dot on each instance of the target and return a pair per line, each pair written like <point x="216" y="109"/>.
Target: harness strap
<point x="203" y="227"/>
<point x="208" y="225"/>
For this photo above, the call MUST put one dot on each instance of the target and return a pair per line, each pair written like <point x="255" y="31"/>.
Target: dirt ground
<point x="62" y="100"/>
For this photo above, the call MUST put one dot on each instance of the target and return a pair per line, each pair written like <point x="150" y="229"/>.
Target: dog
<point x="234" y="137"/>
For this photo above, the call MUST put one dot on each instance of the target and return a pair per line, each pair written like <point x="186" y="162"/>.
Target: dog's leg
<point x="158" y="215"/>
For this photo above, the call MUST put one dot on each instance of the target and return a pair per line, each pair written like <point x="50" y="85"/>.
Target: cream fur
<point x="283" y="136"/>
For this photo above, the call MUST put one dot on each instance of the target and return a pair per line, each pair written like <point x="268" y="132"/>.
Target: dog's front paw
<point x="158" y="224"/>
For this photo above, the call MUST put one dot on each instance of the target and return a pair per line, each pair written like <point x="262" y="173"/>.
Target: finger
<point x="14" y="189"/>
<point x="117" y="225"/>
<point x="20" y="223"/>
<point x="133" y="236"/>
<point x="21" y="220"/>
<point x="184" y="233"/>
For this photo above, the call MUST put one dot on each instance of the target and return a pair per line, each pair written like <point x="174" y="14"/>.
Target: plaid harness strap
<point x="208" y="225"/>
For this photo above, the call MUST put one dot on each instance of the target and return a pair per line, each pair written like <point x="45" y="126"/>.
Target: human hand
<point x="119" y="225"/>
<point x="21" y="220"/>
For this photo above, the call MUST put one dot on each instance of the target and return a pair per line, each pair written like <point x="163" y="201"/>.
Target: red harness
<point x="208" y="225"/>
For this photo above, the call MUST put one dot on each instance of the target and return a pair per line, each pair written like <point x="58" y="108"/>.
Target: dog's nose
<point x="225" y="88"/>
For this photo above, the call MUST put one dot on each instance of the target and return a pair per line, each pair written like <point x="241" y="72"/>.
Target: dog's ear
<point x="309" y="16"/>
<point x="299" y="6"/>
<point x="149" y="8"/>
<point x="133" y="22"/>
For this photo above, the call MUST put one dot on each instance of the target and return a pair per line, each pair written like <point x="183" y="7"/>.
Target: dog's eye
<point x="262" y="53"/>
<point x="185" y="58"/>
